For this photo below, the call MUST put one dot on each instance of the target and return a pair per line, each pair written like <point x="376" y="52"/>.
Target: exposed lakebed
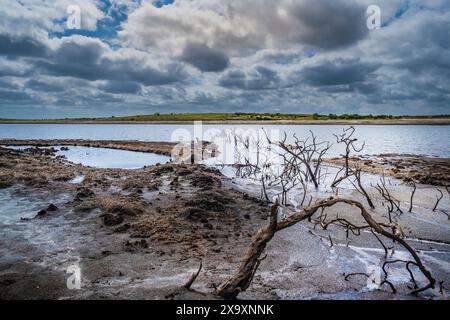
<point x="140" y="233"/>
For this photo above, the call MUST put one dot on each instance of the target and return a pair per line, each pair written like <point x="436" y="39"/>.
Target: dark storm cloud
<point x="87" y="61"/>
<point x="367" y="88"/>
<point x="339" y="72"/>
<point x="21" y="46"/>
<point x="87" y="52"/>
<point x="329" y="24"/>
<point x="283" y="58"/>
<point x="13" y="96"/>
<point x="108" y="69"/>
<point x="12" y="72"/>
<point x="42" y="86"/>
<point x="427" y="51"/>
<point x="121" y="87"/>
<point x="7" y="84"/>
<point x="259" y="79"/>
<point x="204" y="58"/>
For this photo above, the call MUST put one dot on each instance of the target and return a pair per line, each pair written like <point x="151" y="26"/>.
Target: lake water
<point x="107" y="158"/>
<point x="421" y="140"/>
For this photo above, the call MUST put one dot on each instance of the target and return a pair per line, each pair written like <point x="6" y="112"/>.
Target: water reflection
<point x="106" y="158"/>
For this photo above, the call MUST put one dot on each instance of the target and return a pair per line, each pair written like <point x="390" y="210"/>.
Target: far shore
<point x="419" y="121"/>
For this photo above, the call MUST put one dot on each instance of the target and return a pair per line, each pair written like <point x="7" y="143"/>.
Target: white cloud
<point x="30" y="17"/>
<point x="245" y="26"/>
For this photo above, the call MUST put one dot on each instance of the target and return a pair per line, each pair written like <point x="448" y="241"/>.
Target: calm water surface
<point x="422" y="140"/>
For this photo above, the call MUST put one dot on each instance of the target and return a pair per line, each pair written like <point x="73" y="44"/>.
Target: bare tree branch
<point x="412" y="196"/>
<point x="438" y="199"/>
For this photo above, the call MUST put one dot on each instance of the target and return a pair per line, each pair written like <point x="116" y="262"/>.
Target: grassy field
<point x="244" y="117"/>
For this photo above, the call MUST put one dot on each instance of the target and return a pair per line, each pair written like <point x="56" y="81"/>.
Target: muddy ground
<point x="140" y="234"/>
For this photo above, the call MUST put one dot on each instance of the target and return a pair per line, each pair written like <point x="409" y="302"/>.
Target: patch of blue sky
<point x="107" y="28"/>
<point x="162" y="3"/>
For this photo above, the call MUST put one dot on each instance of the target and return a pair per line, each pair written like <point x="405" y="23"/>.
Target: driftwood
<point x="244" y="276"/>
<point x="241" y="280"/>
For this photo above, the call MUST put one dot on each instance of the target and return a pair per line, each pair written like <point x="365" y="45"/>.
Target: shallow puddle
<point x="106" y="158"/>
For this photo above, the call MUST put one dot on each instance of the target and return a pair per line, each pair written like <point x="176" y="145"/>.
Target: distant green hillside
<point x="232" y="116"/>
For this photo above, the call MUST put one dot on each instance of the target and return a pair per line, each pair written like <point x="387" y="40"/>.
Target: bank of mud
<point x="140" y="234"/>
<point x="407" y="167"/>
<point x="163" y="148"/>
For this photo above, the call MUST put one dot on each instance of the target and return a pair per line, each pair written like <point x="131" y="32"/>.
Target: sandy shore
<point x="141" y="233"/>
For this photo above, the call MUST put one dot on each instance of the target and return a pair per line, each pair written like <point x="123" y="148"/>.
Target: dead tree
<point x="293" y="175"/>
<point x="308" y="152"/>
<point x="287" y="181"/>
<point x="348" y="140"/>
<point x="241" y="280"/>
<point x="254" y="168"/>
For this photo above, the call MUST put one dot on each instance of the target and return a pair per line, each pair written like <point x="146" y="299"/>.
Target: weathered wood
<point x="241" y="280"/>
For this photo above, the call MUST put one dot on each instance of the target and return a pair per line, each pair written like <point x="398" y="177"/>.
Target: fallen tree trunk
<point x="244" y="276"/>
<point x="241" y="280"/>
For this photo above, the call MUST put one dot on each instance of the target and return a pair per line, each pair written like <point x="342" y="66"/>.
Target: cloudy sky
<point x="287" y="56"/>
